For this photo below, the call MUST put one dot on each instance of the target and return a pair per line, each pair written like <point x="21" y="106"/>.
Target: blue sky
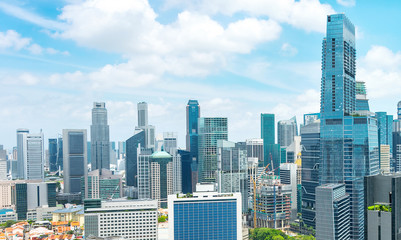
<point x="238" y="58"/>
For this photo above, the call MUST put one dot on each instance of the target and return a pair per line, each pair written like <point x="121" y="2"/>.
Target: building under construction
<point x="273" y="203"/>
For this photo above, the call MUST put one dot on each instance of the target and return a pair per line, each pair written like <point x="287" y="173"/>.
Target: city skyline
<point x="51" y="89"/>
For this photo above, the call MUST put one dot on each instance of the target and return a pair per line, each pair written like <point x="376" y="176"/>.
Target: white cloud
<point x="12" y="39"/>
<point x="380" y="68"/>
<point x="288" y="50"/>
<point x="194" y="44"/>
<point x="309" y="15"/>
<point x="347" y="3"/>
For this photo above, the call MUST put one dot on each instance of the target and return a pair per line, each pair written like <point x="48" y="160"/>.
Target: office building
<point x="288" y="175"/>
<point x="75" y="159"/>
<point x="293" y="150"/>
<point x="26" y="196"/>
<point x="383" y="206"/>
<point x="254" y="149"/>
<point x="186" y="171"/>
<point x="30" y="155"/>
<point x="161" y="177"/>
<point x="286" y="131"/>
<point x="143" y="170"/>
<point x="177" y="169"/>
<point x="310" y="118"/>
<point x="273" y="203"/>
<point x="60" y="160"/>
<point x="3" y="170"/>
<point x="210" y="131"/>
<point x="193" y="114"/>
<point x="124" y="218"/>
<point x="396" y="151"/>
<point x="332" y="212"/>
<point x="349" y="141"/>
<point x="271" y="151"/>
<point x="170" y="142"/>
<point x="361" y="102"/>
<point x="100" y="139"/>
<point x="8" y="215"/>
<point x="102" y="186"/>
<point x="232" y="170"/>
<point x="131" y="161"/>
<point x="121" y="150"/>
<point x="310" y="141"/>
<point x="385" y="134"/>
<point x="142" y="114"/>
<point x="205" y="215"/>
<point x="53" y="154"/>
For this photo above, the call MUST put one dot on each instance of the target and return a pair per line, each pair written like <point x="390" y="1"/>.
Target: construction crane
<point x="254" y="193"/>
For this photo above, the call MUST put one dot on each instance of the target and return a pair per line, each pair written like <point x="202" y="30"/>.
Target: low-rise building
<point x="7" y="214"/>
<point x="124" y="218"/>
<point x="70" y="213"/>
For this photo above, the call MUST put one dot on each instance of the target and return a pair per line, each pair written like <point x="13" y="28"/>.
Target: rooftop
<point x="161" y="154"/>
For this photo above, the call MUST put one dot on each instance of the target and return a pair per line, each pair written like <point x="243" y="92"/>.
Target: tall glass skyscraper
<point x="193" y="113"/>
<point x="53" y="154"/>
<point x="272" y="151"/>
<point x="286" y="130"/>
<point x="131" y="160"/>
<point x="349" y="146"/>
<point x="100" y="139"/>
<point x="210" y="131"/>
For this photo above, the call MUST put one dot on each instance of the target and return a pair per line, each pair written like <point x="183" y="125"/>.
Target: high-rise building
<point x="186" y="171"/>
<point x="293" y="150"/>
<point x="193" y="114"/>
<point x="3" y="169"/>
<point x="349" y="142"/>
<point x="60" y="161"/>
<point x="142" y="114"/>
<point x="161" y="177"/>
<point x="310" y="141"/>
<point x="128" y="219"/>
<point x="210" y="131"/>
<point x="332" y="212"/>
<point x="201" y="216"/>
<point x="385" y="134"/>
<point x="26" y="196"/>
<point x="232" y="170"/>
<point x="102" y="186"/>
<point x="53" y="154"/>
<point x="131" y="161"/>
<point x="170" y="142"/>
<point x="271" y="151"/>
<point x="100" y="139"/>
<point x="288" y="175"/>
<point x="286" y="131"/>
<point x="254" y="149"/>
<point x="30" y="155"/>
<point x="143" y="170"/>
<point x="399" y="110"/>
<point x="75" y="159"/>
<point x="121" y="149"/>
<point x="396" y="150"/>
<point x="383" y="206"/>
<point x="273" y="203"/>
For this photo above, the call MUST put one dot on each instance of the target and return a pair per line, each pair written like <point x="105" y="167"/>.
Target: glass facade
<point x="286" y="130"/>
<point x="193" y="114"/>
<point x="204" y="220"/>
<point x="131" y="160"/>
<point x="271" y="151"/>
<point x="310" y="140"/>
<point x="349" y="146"/>
<point x="186" y="161"/>
<point x="210" y="131"/>
<point x="53" y="154"/>
<point x="100" y="139"/>
<point x="21" y="206"/>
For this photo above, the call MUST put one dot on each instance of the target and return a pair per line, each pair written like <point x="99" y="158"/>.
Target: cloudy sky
<point x="238" y="58"/>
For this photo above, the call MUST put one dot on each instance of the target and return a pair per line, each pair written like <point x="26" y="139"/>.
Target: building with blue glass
<point x="193" y="114"/>
<point x="349" y="141"/>
<point x="385" y="135"/>
<point x="310" y="141"/>
<point x="131" y="160"/>
<point x="53" y="154"/>
<point x="211" y="129"/>
<point x="204" y="216"/>
<point x="272" y="152"/>
<point x="100" y="137"/>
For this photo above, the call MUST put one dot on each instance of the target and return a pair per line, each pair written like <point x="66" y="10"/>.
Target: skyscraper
<point x="286" y="131"/>
<point x="399" y="110"/>
<point x="142" y="114"/>
<point x="21" y="149"/>
<point x="161" y="177"/>
<point x="310" y="141"/>
<point x="210" y="131"/>
<point x="349" y="146"/>
<point x="30" y="149"/>
<point x="362" y="102"/>
<point x="272" y="151"/>
<point x="75" y="159"/>
<point x="170" y="142"/>
<point x="60" y="165"/>
<point x="232" y="169"/>
<point x="333" y="212"/>
<point x="53" y="154"/>
<point x="131" y="161"/>
<point x="193" y="114"/>
<point x="100" y="140"/>
<point x="385" y="134"/>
